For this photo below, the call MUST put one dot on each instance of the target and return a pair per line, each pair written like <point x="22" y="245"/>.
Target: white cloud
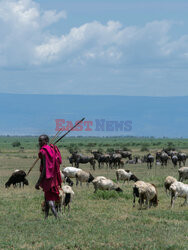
<point x="22" y="29"/>
<point x="26" y="39"/>
<point x="112" y="43"/>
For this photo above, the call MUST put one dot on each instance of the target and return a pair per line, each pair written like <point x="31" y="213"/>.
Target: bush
<point x="144" y="147"/>
<point x="126" y="149"/>
<point x="101" y="150"/>
<point x="110" y="150"/>
<point x="16" y="144"/>
<point x="72" y="149"/>
<point x="91" y="144"/>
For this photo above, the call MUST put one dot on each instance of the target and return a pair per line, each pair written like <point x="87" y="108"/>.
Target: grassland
<point x="104" y="220"/>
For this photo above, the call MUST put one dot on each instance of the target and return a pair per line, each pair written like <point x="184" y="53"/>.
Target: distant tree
<point x="16" y="144"/>
<point x="144" y="147"/>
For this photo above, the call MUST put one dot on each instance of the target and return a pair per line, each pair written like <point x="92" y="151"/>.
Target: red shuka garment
<point x="49" y="184"/>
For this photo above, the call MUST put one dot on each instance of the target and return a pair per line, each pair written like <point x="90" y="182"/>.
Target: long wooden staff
<point x="55" y="137"/>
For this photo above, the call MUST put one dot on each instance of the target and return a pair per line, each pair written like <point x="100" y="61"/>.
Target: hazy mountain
<point x="142" y="116"/>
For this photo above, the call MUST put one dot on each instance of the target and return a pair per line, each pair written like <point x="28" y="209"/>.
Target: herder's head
<point x="43" y="140"/>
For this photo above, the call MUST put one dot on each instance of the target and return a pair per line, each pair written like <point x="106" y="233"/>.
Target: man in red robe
<point x="50" y="178"/>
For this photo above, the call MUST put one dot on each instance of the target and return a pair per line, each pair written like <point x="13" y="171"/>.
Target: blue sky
<point x="94" y="47"/>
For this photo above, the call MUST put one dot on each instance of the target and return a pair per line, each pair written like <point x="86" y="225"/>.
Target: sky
<point x="94" y="47"/>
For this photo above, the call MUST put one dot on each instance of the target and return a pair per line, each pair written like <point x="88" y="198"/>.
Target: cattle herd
<point x="115" y="159"/>
<point x="145" y="192"/>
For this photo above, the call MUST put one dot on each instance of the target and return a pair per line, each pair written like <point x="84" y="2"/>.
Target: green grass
<point x="101" y="220"/>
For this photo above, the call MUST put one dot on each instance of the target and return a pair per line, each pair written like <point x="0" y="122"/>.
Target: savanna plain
<point x="102" y="220"/>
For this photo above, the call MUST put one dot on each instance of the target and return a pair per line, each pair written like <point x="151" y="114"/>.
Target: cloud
<point x="22" y="25"/>
<point x="27" y="39"/>
<point x="114" y="44"/>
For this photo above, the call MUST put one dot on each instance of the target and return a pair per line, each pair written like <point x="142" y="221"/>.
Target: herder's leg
<point x="52" y="206"/>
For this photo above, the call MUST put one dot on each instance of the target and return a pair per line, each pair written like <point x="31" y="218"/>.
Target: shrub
<point x="91" y="144"/>
<point x="144" y="147"/>
<point x="110" y="150"/>
<point x="16" y="144"/>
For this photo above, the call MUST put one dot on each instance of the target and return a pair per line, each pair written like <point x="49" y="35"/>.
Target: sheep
<point x="183" y="173"/>
<point x="66" y="179"/>
<point x="82" y="176"/>
<point x="17" y="177"/>
<point x="95" y="181"/>
<point x="145" y="191"/>
<point x="168" y="181"/>
<point x="106" y="184"/>
<point x="125" y="175"/>
<point x="65" y="197"/>
<point x="70" y="171"/>
<point x="179" y="189"/>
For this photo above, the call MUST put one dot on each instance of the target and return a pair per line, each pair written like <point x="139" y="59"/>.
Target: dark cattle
<point x="101" y="158"/>
<point x="125" y="154"/>
<point x="79" y="158"/>
<point x="17" y="177"/>
<point x="133" y="161"/>
<point x="181" y="158"/>
<point x="149" y="160"/>
<point x="115" y="159"/>
<point x="162" y="157"/>
<point x="174" y="160"/>
<point x="72" y="160"/>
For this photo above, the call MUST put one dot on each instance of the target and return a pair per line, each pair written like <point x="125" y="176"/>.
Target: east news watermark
<point x="98" y="125"/>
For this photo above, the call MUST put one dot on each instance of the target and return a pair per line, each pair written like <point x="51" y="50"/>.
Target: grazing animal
<point x="101" y="158"/>
<point x="97" y="179"/>
<point x="149" y="160"/>
<point x="65" y="196"/>
<point x="175" y="160"/>
<point x="183" y="173"/>
<point x="115" y="159"/>
<point x="17" y="177"/>
<point x="70" y="171"/>
<point x="66" y="179"/>
<point x="125" y="154"/>
<point x="182" y="158"/>
<point x="125" y="175"/>
<point x="105" y="184"/>
<point x="168" y="181"/>
<point x="82" y="176"/>
<point x="72" y="160"/>
<point x="79" y="158"/>
<point x="145" y="191"/>
<point x="179" y="189"/>
<point x="162" y="157"/>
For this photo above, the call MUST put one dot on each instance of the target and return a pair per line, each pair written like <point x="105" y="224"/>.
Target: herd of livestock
<point x="146" y="192"/>
<point x="115" y="159"/>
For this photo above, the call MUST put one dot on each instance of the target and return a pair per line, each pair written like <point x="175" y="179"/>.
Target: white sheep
<point x="65" y="196"/>
<point x="145" y="191"/>
<point x="106" y="184"/>
<point x="125" y="175"/>
<point x="83" y="176"/>
<point x="179" y="189"/>
<point x="168" y="181"/>
<point x="183" y="173"/>
<point x="98" y="178"/>
<point x="71" y="171"/>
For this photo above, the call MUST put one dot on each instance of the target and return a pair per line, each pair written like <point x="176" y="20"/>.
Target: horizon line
<point x="37" y="94"/>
